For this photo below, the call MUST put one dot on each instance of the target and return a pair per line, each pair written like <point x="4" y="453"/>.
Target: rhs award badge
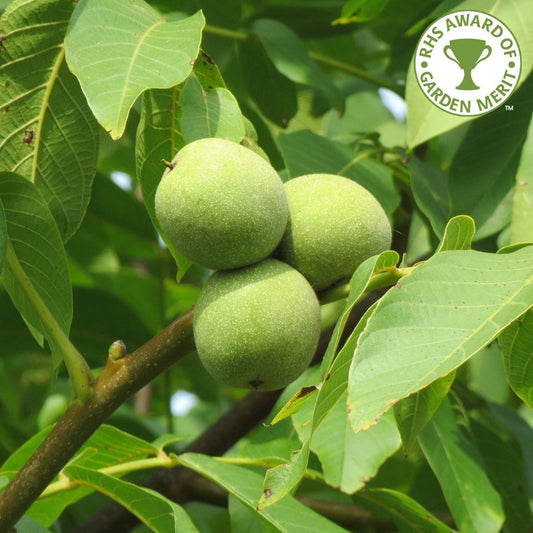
<point x="467" y="63"/>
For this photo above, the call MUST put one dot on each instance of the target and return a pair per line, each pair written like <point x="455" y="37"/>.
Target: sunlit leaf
<point x="47" y="132"/>
<point x="119" y="49"/>
<point x="432" y="321"/>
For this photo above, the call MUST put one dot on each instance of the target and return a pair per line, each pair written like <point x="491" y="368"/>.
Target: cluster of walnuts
<point x="272" y="247"/>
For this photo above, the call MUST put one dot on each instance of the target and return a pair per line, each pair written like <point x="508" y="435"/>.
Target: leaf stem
<point x="65" y="484"/>
<point x="326" y="61"/>
<point x="78" y="370"/>
<point x="383" y="278"/>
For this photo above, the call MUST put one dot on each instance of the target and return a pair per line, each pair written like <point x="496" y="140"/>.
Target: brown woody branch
<point x="119" y="380"/>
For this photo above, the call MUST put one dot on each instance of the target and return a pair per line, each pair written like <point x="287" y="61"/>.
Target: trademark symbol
<point x="509" y="107"/>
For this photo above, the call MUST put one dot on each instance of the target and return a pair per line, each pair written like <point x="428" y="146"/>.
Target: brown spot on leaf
<point x="28" y="137"/>
<point x="267" y="493"/>
<point x="398" y="285"/>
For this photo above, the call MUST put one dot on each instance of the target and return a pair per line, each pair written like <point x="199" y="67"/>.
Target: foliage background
<point x="87" y="111"/>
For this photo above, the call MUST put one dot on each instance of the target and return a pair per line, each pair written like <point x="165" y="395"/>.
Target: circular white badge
<point x="467" y="63"/>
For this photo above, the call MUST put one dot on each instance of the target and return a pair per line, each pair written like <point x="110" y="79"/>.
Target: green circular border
<point x="451" y="112"/>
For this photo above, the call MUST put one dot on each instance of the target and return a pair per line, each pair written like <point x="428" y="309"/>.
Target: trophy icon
<point x="467" y="53"/>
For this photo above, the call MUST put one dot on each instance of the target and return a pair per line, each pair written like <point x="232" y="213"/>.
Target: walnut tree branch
<point x="118" y="381"/>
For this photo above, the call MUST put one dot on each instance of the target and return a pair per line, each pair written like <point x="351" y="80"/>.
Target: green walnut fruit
<point x="334" y="225"/>
<point x="258" y="326"/>
<point x="221" y="205"/>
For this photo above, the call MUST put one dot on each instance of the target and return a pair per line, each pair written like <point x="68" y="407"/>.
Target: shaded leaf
<point x="100" y="318"/>
<point x="408" y="514"/>
<point x="305" y="152"/>
<point x="288" y="515"/>
<point x="39" y="251"/>
<point x="209" y="113"/>
<point x="136" y="49"/>
<point x="159" y="513"/>
<point x="505" y="467"/>
<point x="415" y="411"/>
<point x="516" y="343"/>
<point x="473" y="501"/>
<point x="522" y="221"/>
<point x="272" y="92"/>
<point x="361" y="10"/>
<point x="352" y="459"/>
<point x="289" y="55"/>
<point x="484" y="167"/>
<point x="522" y="432"/>
<point x="430" y="190"/>
<point x="47" y="132"/>
<point x="3" y="237"/>
<point x="431" y="322"/>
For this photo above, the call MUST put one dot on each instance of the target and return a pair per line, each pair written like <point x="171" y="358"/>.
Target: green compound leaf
<point x="431" y="322"/>
<point x="160" y="514"/>
<point x="47" y="132"/>
<point x="516" y="343"/>
<point x="119" y="49"/>
<point x="39" y="250"/>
